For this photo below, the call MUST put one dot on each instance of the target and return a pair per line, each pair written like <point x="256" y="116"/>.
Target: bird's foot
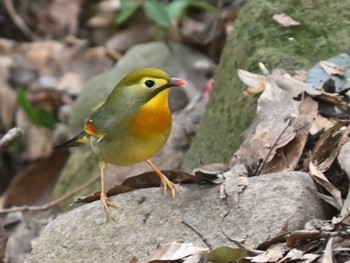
<point x="167" y="184"/>
<point x="106" y="205"/>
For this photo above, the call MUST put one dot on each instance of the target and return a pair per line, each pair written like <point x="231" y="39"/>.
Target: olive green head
<point x="142" y="85"/>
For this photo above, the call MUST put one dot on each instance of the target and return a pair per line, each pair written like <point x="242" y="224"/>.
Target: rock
<point x="266" y="206"/>
<point x="321" y="35"/>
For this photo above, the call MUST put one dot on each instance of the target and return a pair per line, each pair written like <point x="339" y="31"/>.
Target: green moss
<point x="323" y="33"/>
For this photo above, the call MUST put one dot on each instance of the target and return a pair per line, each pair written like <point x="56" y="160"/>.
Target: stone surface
<point x="258" y="38"/>
<point x="149" y="218"/>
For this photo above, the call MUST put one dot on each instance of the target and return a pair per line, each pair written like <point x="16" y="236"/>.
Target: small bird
<point x="131" y="126"/>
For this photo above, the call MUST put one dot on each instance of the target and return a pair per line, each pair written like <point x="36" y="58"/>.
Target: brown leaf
<point x="301" y="235"/>
<point x="34" y="184"/>
<point x="289" y="156"/>
<point x="328" y="253"/>
<point x="320" y="124"/>
<point x="285" y="20"/>
<point x="255" y="82"/>
<point x="146" y="180"/>
<point x="291" y="85"/>
<point x="273" y="254"/>
<point x="60" y="17"/>
<point x="332" y="68"/>
<point x="329" y="145"/>
<point x="322" y="180"/>
<point x="344" y="158"/>
<point x="8" y="97"/>
<point x="175" y="251"/>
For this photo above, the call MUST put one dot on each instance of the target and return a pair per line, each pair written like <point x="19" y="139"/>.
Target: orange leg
<point x="164" y="180"/>
<point x="106" y="204"/>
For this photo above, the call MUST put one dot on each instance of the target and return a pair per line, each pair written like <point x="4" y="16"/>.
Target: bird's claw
<point x="106" y="205"/>
<point x="169" y="185"/>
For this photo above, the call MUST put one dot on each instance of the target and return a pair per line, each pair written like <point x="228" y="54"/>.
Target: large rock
<point x="266" y="206"/>
<point x="258" y="38"/>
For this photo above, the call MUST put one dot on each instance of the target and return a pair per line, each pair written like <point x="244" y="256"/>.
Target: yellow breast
<point x="153" y="119"/>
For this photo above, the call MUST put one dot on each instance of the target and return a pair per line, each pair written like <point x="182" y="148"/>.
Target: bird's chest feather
<point x="153" y="119"/>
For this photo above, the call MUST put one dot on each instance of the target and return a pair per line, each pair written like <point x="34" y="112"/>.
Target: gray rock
<point x="149" y="218"/>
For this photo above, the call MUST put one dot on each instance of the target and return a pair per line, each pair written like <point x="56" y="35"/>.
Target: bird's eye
<point x="149" y="83"/>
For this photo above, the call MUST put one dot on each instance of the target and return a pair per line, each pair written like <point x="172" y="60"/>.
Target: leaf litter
<point x="293" y="129"/>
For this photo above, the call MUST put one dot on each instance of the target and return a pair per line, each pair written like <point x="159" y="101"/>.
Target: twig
<point x="52" y="203"/>
<point x="9" y="137"/>
<point x="200" y="235"/>
<point x="18" y="20"/>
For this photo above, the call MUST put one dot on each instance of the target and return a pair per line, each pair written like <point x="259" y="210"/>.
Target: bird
<point x="131" y="126"/>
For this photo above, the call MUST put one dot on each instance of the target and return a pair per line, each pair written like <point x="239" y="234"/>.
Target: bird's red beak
<point x="176" y="82"/>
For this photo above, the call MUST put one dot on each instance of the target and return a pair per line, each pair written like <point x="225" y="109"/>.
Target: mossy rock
<point x="324" y="32"/>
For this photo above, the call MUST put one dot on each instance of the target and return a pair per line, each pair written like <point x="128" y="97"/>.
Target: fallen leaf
<point x="321" y="179"/>
<point x="345" y="211"/>
<point x="293" y="254"/>
<point x="34" y="184"/>
<point x="293" y="86"/>
<point x="285" y="20"/>
<point x="329" y="145"/>
<point x="288" y="156"/>
<point x="175" y="251"/>
<point x="255" y="82"/>
<point x="332" y="68"/>
<point x="301" y="235"/>
<point x="328" y="253"/>
<point x="309" y="258"/>
<point x="212" y="171"/>
<point x="146" y="180"/>
<point x="226" y="254"/>
<point x="272" y="254"/>
<point x="320" y="124"/>
<point x="344" y="158"/>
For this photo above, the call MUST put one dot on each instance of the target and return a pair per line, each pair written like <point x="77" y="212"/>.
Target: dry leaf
<point x="176" y="251"/>
<point x="292" y="86"/>
<point x="301" y="235"/>
<point x="329" y="145"/>
<point x="344" y="158"/>
<point x="320" y="124"/>
<point x="34" y="184"/>
<point x="287" y="158"/>
<point x="345" y="212"/>
<point x="328" y="253"/>
<point x="294" y="254"/>
<point x="322" y="180"/>
<point x="285" y="20"/>
<point x="332" y="68"/>
<point x="273" y="253"/>
<point x="255" y="82"/>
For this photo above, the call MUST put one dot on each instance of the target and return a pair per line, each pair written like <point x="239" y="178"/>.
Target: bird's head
<point x="143" y="85"/>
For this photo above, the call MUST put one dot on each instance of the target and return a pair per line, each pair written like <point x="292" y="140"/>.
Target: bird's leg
<point x="106" y="204"/>
<point x="164" y="180"/>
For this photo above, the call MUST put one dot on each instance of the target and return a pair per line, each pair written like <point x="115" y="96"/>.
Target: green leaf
<point x="203" y="6"/>
<point x="128" y="8"/>
<point x="226" y="254"/>
<point x="38" y="116"/>
<point x="157" y="13"/>
<point x="176" y="8"/>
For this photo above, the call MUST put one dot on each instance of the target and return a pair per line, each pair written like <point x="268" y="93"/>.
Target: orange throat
<point x="154" y="117"/>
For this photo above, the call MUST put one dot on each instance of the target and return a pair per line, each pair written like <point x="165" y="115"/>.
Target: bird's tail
<point x="79" y="139"/>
